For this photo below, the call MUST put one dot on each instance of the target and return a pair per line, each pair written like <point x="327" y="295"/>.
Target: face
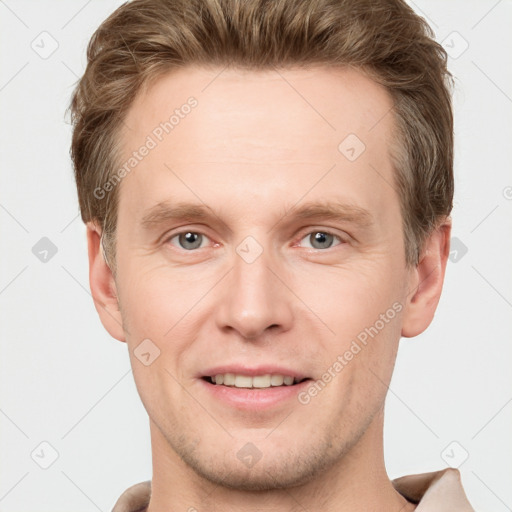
<point x="260" y="235"/>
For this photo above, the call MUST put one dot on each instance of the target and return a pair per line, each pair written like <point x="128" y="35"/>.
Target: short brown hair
<point x="385" y="39"/>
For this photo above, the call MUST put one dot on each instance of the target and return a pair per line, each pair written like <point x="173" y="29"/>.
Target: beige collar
<point x="438" y="491"/>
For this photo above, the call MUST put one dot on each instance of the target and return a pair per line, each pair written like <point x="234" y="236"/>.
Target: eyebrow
<point x="331" y="210"/>
<point x="167" y="211"/>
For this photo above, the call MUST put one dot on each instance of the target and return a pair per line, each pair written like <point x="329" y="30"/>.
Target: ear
<point x="103" y="287"/>
<point x="426" y="281"/>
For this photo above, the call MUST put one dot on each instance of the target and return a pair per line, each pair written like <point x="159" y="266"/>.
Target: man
<point x="267" y="189"/>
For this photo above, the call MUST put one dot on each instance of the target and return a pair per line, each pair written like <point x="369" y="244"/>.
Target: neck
<point x="357" y="482"/>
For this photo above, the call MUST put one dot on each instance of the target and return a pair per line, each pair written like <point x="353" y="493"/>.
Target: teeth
<point x="288" y="381"/>
<point x="258" y="381"/>
<point x="276" y="380"/>
<point x="241" y="381"/>
<point x="229" y="379"/>
<point x="261" y="381"/>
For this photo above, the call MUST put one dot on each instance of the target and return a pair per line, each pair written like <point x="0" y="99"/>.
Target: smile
<point x="256" y="381"/>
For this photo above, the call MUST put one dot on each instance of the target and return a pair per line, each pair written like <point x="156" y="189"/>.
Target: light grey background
<point x="65" y="382"/>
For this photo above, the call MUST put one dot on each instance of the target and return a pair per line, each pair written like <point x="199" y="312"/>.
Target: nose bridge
<point x="255" y="297"/>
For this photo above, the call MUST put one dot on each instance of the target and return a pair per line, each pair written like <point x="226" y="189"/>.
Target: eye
<point x="321" y="239"/>
<point x="188" y="240"/>
<point x="191" y="240"/>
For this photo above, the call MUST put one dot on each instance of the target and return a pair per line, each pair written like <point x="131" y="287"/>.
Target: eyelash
<point x="303" y="235"/>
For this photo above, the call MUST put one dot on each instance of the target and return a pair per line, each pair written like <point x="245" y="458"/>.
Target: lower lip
<point x="254" y="398"/>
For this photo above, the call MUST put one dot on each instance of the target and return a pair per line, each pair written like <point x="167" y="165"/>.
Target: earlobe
<point x="103" y="287"/>
<point x="426" y="282"/>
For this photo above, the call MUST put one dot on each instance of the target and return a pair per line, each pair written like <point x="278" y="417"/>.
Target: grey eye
<point x="321" y="239"/>
<point x="189" y="240"/>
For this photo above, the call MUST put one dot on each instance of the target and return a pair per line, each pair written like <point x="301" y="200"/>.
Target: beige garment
<point x="439" y="491"/>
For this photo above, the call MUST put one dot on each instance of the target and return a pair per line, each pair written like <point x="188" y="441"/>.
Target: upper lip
<point x="252" y="371"/>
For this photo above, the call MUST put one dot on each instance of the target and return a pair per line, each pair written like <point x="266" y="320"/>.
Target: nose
<point x="255" y="298"/>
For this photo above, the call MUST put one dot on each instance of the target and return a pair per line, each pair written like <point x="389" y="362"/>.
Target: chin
<point x="275" y="470"/>
<point x="262" y="477"/>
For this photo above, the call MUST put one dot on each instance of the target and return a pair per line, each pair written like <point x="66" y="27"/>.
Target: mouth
<point x="261" y="391"/>
<point x="265" y="381"/>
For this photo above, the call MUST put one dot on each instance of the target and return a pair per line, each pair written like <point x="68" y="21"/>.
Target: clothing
<point x="439" y="491"/>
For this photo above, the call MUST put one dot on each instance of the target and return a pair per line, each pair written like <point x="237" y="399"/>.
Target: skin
<point x="251" y="149"/>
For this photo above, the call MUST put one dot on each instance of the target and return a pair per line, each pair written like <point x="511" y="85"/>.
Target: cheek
<point x="349" y="299"/>
<point x="362" y="306"/>
<point x="156" y="308"/>
<point x="156" y="297"/>
<point x="161" y="304"/>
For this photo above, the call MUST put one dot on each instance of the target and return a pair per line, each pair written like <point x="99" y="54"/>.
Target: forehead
<point x="251" y="129"/>
<point x="330" y="102"/>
